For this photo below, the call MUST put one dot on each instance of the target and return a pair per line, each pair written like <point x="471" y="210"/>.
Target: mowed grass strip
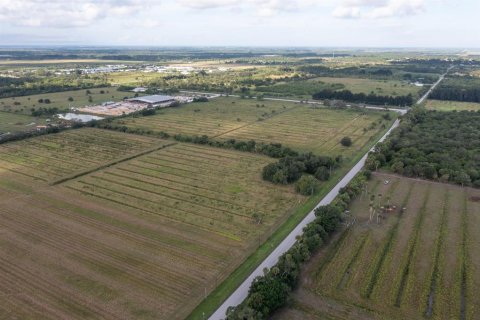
<point x="53" y="156"/>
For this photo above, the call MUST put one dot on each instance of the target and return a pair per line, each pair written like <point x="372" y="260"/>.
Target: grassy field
<point x="379" y="87"/>
<point x="441" y="105"/>
<point x="295" y="125"/>
<point x="12" y="122"/>
<point x="51" y="157"/>
<point x="305" y="88"/>
<point x="60" y="99"/>
<point x="145" y="238"/>
<point x="420" y="260"/>
<point x="218" y="116"/>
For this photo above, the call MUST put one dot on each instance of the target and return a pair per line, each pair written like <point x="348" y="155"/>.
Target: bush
<point x="306" y="185"/>
<point x="346" y="141"/>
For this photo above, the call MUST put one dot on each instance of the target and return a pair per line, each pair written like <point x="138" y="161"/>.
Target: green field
<point x="12" y="122"/>
<point x="59" y="100"/>
<point x="379" y="87"/>
<point x="51" y="157"/>
<point x="298" y="126"/>
<point x="306" y="88"/>
<point x="419" y="260"/>
<point x="440" y="105"/>
<point x="143" y="228"/>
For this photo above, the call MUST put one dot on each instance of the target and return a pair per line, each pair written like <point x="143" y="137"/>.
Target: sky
<point x="285" y="23"/>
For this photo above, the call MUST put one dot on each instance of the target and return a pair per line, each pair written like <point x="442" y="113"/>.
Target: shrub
<point x="346" y="141"/>
<point x="306" y="185"/>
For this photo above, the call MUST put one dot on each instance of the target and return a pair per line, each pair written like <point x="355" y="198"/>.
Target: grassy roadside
<point x="231" y="283"/>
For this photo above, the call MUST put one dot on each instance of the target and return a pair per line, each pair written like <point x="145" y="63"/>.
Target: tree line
<point x="458" y="89"/>
<point x="347" y="95"/>
<point x="271" y="291"/>
<point x="442" y="146"/>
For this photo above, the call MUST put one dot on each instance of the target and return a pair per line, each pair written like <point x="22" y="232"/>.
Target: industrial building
<point x="153" y="101"/>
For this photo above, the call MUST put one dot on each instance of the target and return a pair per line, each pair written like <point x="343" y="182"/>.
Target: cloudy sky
<point x="319" y="23"/>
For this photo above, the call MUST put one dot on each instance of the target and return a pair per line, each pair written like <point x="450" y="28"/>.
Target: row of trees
<point x="274" y="150"/>
<point x="443" y="146"/>
<point x="458" y="89"/>
<point x="270" y="291"/>
<point x="371" y="98"/>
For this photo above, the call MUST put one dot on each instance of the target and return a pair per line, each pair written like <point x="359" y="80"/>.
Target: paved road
<point x="425" y="96"/>
<point x="242" y="291"/>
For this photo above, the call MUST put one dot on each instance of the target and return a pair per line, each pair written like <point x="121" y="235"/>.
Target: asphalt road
<point x="242" y="291"/>
<point x="425" y="96"/>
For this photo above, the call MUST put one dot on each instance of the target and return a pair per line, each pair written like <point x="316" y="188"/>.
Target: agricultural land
<point x="417" y="258"/>
<point x="60" y="100"/>
<point x="98" y="223"/>
<point x="301" y="127"/>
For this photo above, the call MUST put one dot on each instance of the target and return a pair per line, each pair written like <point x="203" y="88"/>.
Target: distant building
<point x="139" y="89"/>
<point x="153" y="101"/>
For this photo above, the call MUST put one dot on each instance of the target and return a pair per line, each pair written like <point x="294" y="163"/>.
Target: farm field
<point x="379" y="87"/>
<point x="218" y="116"/>
<point x="12" y="122"/>
<point x="317" y="130"/>
<point x="60" y="99"/>
<point x="50" y="157"/>
<point x="298" y="126"/>
<point x="441" y="105"/>
<point x="420" y="260"/>
<point x="145" y="238"/>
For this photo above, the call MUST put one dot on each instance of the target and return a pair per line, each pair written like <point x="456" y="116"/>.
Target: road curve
<point x="242" y="291"/>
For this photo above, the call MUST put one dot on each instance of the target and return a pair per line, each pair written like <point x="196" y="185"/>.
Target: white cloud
<point x="376" y="9"/>
<point x="66" y="13"/>
<point x="260" y="7"/>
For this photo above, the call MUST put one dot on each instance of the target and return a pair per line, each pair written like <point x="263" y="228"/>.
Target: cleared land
<point x="298" y="126"/>
<point x="318" y="130"/>
<point x="440" y="105"/>
<point x="59" y="100"/>
<point x="305" y="88"/>
<point x="12" y="122"/>
<point x="420" y="262"/>
<point x="379" y="87"/>
<point x="51" y="157"/>
<point x="218" y="116"/>
<point x="145" y="238"/>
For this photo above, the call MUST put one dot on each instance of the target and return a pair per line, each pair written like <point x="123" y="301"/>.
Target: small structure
<point x="139" y="89"/>
<point x="153" y="101"/>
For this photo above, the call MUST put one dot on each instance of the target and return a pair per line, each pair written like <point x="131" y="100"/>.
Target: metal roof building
<point x="154" y="100"/>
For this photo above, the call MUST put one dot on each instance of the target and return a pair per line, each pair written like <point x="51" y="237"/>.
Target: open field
<point x="12" y="122"/>
<point x="298" y="126"/>
<point x="144" y="238"/>
<point x="317" y="130"/>
<point x="306" y="88"/>
<point x="440" y="105"/>
<point x="379" y="87"/>
<point x="60" y="99"/>
<point x="218" y="116"/>
<point x="51" y="157"/>
<point x="415" y="263"/>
